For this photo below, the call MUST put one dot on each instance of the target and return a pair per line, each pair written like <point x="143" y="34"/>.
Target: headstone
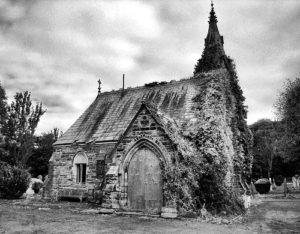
<point x="46" y="180"/>
<point x="36" y="185"/>
<point x="247" y="201"/>
<point x="29" y="192"/>
<point x="284" y="187"/>
<point x="294" y="179"/>
<point x="170" y="213"/>
<point x="297" y="181"/>
<point x="204" y="212"/>
<point x="274" y="184"/>
<point x="252" y="189"/>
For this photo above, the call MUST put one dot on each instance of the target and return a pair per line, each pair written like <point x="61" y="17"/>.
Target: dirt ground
<point x="267" y="215"/>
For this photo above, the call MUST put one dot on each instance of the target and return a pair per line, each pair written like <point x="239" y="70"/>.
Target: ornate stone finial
<point x="99" y="86"/>
<point x="213" y="17"/>
<point x="213" y="54"/>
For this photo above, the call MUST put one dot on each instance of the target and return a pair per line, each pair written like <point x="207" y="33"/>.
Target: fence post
<point x="284" y="187"/>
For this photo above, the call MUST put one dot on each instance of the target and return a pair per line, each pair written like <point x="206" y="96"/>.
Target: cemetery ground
<point x="271" y="213"/>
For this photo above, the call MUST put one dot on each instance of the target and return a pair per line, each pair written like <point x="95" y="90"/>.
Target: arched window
<point x="80" y="162"/>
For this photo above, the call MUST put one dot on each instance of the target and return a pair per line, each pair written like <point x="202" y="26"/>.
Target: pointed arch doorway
<point x="145" y="184"/>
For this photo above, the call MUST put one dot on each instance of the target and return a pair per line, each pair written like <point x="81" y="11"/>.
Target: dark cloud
<point x="59" y="49"/>
<point x="178" y="12"/>
<point x="57" y="103"/>
<point x="12" y="11"/>
<point x="292" y="65"/>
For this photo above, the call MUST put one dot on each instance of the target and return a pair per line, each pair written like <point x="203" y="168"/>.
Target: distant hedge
<point x="13" y="181"/>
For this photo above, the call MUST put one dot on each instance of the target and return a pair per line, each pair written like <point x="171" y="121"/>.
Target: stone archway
<point x="145" y="186"/>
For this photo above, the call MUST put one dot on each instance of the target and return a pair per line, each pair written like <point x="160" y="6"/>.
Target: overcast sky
<point x="58" y="49"/>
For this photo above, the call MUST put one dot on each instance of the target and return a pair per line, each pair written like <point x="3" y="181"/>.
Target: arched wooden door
<point x="145" y="182"/>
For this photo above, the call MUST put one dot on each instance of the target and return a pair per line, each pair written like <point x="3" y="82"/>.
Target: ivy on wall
<point x="212" y="58"/>
<point x="242" y="136"/>
<point x="197" y="174"/>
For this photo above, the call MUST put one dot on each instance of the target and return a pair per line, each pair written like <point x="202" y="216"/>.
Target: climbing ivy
<point x="212" y="58"/>
<point x="199" y="173"/>
<point x="242" y="137"/>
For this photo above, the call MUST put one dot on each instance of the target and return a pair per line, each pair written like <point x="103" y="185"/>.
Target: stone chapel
<point x="123" y="140"/>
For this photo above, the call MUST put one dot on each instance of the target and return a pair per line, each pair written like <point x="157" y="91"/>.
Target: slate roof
<point x="107" y="118"/>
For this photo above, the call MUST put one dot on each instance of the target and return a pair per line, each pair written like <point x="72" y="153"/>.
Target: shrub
<point x="262" y="186"/>
<point x="36" y="186"/>
<point x="13" y="181"/>
<point x="278" y="180"/>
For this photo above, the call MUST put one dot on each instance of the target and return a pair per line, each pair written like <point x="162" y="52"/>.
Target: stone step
<point x="169" y="215"/>
<point x="106" y="211"/>
<point x="136" y="214"/>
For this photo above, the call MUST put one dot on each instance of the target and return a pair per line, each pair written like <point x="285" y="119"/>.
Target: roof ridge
<point x="163" y="83"/>
<point x="114" y="109"/>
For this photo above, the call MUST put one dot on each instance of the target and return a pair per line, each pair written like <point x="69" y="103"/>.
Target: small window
<point x="80" y="163"/>
<point x="81" y="173"/>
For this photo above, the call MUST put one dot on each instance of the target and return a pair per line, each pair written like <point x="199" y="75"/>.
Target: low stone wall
<point x="72" y="193"/>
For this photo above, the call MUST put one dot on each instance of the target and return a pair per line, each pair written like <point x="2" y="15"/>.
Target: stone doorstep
<point x="168" y="210"/>
<point x="106" y="211"/>
<point x="128" y="213"/>
<point x="93" y="211"/>
<point x="169" y="215"/>
<point x="136" y="214"/>
<point x="90" y="211"/>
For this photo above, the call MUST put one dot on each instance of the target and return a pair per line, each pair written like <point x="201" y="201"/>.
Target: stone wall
<point x="61" y="176"/>
<point x="145" y="130"/>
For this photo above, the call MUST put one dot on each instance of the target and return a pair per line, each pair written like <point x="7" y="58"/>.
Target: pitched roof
<point x="153" y="112"/>
<point x="107" y="118"/>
